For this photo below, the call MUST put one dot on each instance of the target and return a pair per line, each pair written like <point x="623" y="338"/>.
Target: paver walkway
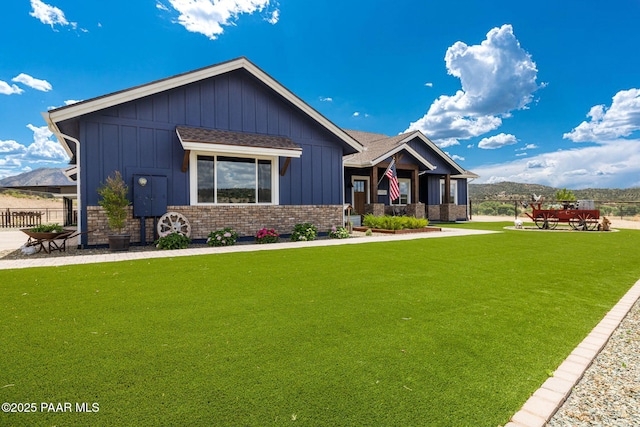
<point x="124" y="256"/>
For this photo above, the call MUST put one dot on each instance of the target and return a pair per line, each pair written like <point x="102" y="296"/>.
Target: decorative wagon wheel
<point x="583" y="221"/>
<point x="173" y="222"/>
<point x="546" y="221"/>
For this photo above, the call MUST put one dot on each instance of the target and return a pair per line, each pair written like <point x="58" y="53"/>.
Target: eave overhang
<point x="390" y="153"/>
<point x="52" y="117"/>
<point x="226" y="142"/>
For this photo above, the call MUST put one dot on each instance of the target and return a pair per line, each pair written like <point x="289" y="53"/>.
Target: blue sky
<point x="543" y="92"/>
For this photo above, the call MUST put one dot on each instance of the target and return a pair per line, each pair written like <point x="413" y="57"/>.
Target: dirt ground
<point x="28" y="203"/>
<point x="615" y="222"/>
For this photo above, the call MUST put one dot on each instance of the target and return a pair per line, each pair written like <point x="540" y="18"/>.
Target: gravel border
<point x="609" y="392"/>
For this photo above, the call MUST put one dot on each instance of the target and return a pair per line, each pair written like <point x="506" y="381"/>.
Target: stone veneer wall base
<point x="245" y="220"/>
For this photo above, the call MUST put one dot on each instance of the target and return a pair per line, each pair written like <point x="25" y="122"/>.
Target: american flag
<point x="394" y="187"/>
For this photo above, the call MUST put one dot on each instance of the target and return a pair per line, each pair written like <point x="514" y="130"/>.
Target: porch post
<point x="447" y="189"/>
<point x="415" y="185"/>
<point x="373" y="190"/>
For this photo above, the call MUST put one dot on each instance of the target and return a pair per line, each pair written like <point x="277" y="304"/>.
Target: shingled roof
<point x="378" y="147"/>
<point x="219" y="137"/>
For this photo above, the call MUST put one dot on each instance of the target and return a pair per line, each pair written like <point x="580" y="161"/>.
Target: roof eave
<point x="53" y="127"/>
<point x="410" y="150"/>
<point x="117" y="98"/>
<point x="238" y="149"/>
<point x="434" y="147"/>
<point x="467" y="175"/>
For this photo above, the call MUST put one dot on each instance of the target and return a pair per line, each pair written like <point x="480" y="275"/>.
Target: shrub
<point x="224" y="237"/>
<point x="47" y="228"/>
<point x="114" y="201"/>
<point x="394" y="222"/>
<point x="173" y="241"/>
<point x="267" y="235"/>
<point x="305" y="231"/>
<point x="339" y="233"/>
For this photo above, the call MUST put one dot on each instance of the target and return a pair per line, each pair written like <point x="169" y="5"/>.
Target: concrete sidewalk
<point x="125" y="256"/>
<point x="11" y="239"/>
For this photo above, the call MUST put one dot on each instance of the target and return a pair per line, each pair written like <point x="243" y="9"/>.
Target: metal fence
<point x="518" y="208"/>
<point x="21" y="218"/>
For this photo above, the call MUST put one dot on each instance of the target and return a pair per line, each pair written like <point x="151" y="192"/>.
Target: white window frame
<point x="193" y="178"/>
<point x="396" y="202"/>
<point x="453" y="189"/>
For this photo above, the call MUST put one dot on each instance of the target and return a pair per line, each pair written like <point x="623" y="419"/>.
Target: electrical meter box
<point x="149" y="195"/>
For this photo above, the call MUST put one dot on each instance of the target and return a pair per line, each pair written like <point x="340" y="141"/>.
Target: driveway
<point x="11" y="239"/>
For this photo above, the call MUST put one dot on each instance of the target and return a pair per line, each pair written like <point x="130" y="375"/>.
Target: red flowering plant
<point x="267" y="235"/>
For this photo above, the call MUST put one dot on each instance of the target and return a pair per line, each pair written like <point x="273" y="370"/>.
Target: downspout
<point x="81" y="227"/>
<point x="53" y="128"/>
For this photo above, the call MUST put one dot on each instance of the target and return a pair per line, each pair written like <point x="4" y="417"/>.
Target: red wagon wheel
<point x="546" y="221"/>
<point x="583" y="221"/>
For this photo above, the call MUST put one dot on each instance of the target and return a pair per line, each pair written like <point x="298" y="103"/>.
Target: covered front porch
<point x="431" y="185"/>
<point x="422" y="193"/>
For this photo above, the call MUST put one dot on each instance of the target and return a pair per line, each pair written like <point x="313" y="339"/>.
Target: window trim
<point x="355" y="178"/>
<point x="193" y="178"/>
<point x="397" y="201"/>
<point x="454" y="187"/>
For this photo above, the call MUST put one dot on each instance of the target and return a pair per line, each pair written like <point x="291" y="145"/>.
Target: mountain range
<point x="477" y="192"/>
<point x="38" y="177"/>
<point x="518" y="191"/>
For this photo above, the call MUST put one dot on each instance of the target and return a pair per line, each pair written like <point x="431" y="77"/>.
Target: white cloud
<point x="7" y="89"/>
<point x="208" y="17"/>
<point x="37" y="84"/>
<point x="11" y="147"/>
<point x="615" y="165"/>
<point x="274" y="18"/>
<point x="457" y="158"/>
<point x="497" y="77"/>
<point x="497" y="141"/>
<point x="43" y="148"/>
<point x="12" y="163"/>
<point x="49" y="15"/>
<point x="448" y="142"/>
<point x="326" y="99"/>
<point x="161" y="6"/>
<point x="527" y="147"/>
<point x="429" y="84"/>
<point x="619" y="120"/>
<point x="538" y="164"/>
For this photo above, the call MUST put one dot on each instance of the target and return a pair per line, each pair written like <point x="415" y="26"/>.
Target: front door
<point x="360" y="194"/>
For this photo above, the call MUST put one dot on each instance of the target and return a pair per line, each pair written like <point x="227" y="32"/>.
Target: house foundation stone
<point x="244" y="220"/>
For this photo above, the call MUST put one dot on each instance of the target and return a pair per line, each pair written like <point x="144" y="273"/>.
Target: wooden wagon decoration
<point x="578" y="219"/>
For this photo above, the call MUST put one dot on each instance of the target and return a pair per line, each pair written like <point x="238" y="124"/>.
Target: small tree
<point x="565" y="195"/>
<point x="114" y="201"/>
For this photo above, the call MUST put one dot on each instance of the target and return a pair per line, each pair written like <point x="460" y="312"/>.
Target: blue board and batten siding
<point x="139" y="137"/>
<point x="432" y="196"/>
<point x="430" y="193"/>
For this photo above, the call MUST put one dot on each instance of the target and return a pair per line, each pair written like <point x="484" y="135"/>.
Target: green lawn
<point x="441" y="332"/>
